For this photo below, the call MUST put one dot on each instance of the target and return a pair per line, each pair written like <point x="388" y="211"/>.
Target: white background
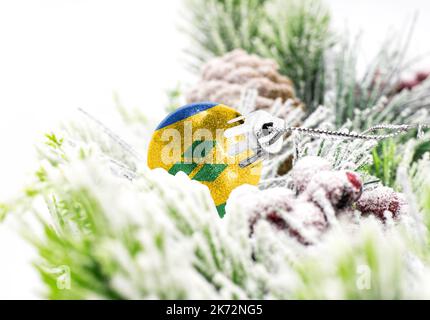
<point x="57" y="55"/>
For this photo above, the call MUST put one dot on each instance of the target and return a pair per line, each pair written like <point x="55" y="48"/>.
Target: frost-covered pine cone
<point x="223" y="80"/>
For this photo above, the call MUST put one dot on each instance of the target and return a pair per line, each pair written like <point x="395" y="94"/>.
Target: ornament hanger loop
<point x="265" y="132"/>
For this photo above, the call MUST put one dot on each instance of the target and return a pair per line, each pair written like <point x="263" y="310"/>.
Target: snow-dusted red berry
<point x="306" y="168"/>
<point x="413" y="82"/>
<point x="341" y="188"/>
<point x="355" y="180"/>
<point x="381" y="201"/>
<point x="422" y="76"/>
<point x="300" y="219"/>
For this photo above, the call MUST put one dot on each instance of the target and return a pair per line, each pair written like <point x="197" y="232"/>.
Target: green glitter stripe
<point x="184" y="167"/>
<point x="207" y="146"/>
<point x="221" y="210"/>
<point x="209" y="172"/>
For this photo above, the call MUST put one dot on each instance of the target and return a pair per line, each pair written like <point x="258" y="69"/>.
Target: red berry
<point x="411" y="83"/>
<point x="422" y="75"/>
<point x="341" y="188"/>
<point x="354" y="179"/>
<point x="306" y="168"/>
<point x="380" y="201"/>
<point x="286" y="213"/>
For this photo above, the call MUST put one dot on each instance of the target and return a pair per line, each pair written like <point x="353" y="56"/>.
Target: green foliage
<point x="75" y="243"/>
<point x="281" y="30"/>
<point x="426" y="207"/>
<point x="53" y="141"/>
<point x="386" y="159"/>
<point x="355" y="97"/>
<point x="359" y="268"/>
<point x="41" y="174"/>
<point x="420" y="182"/>
<point x="322" y="66"/>
<point x="129" y="115"/>
<point x="139" y="247"/>
<point x="344" y="82"/>
<point x="159" y="236"/>
<point x="174" y="96"/>
<point x="219" y="26"/>
<point x="297" y="38"/>
<point x="389" y="155"/>
<point x="3" y="211"/>
<point x="421" y="150"/>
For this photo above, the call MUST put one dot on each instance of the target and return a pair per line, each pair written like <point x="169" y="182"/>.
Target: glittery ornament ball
<point x="191" y="140"/>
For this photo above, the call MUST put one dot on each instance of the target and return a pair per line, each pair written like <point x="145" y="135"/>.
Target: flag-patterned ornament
<point x="191" y="140"/>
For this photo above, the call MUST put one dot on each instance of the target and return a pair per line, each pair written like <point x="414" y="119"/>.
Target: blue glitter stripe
<point x="185" y="112"/>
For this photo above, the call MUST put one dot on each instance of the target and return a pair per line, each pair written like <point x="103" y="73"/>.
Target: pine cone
<point x="224" y="78"/>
